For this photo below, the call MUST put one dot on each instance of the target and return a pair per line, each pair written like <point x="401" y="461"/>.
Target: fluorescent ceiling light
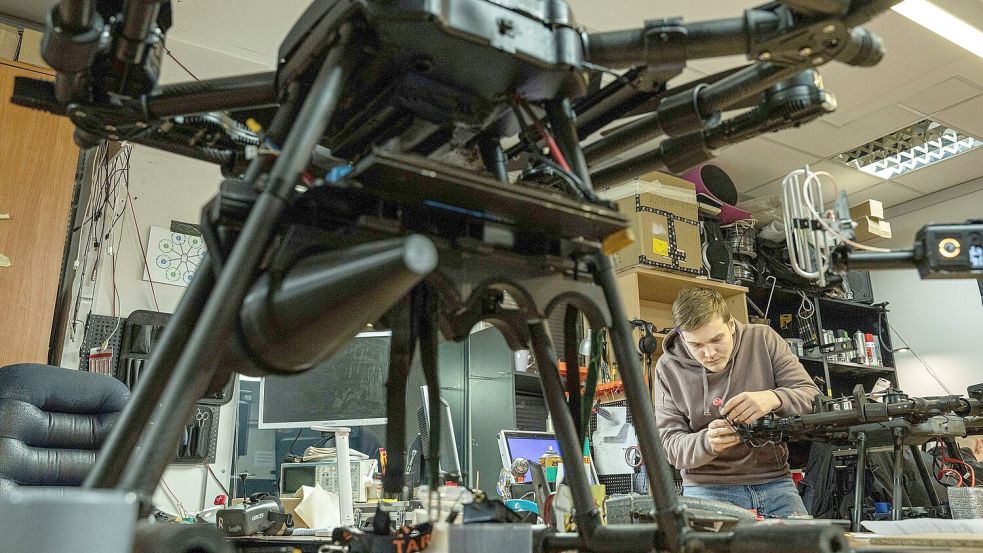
<point x="943" y="23"/>
<point x="922" y="144"/>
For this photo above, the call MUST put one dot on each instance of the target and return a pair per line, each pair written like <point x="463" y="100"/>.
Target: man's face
<point x="711" y="344"/>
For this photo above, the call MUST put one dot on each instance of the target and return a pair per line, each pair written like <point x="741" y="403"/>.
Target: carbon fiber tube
<point x="139" y="17"/>
<point x="586" y="514"/>
<point x="819" y="7"/>
<point x="668" y="514"/>
<point x="868" y="261"/>
<point x="222" y="94"/>
<point x="704" y="39"/>
<point x="75" y="15"/>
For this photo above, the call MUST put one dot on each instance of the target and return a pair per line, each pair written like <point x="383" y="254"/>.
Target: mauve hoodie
<point x="685" y="404"/>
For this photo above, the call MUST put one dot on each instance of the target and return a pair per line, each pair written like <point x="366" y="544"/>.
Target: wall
<point x="942" y="320"/>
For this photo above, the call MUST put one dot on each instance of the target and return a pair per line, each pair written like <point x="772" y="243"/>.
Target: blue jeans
<point x="778" y="499"/>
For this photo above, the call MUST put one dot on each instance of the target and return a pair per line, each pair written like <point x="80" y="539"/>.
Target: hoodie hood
<point x="679" y="356"/>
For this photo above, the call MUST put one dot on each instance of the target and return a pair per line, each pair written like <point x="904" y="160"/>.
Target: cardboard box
<point x="30" y="48"/>
<point x="664" y="216"/>
<point x="9" y="40"/>
<point x="871" y="229"/>
<point x="871" y="208"/>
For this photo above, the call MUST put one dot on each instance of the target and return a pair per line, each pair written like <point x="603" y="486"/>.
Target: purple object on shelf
<point x="715" y="187"/>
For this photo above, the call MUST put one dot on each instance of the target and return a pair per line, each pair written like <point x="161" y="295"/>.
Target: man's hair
<point x="695" y="307"/>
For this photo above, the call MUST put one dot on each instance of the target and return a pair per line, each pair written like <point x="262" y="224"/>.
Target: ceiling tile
<point x="950" y="172"/>
<point x="758" y="161"/>
<point x="941" y="95"/>
<point x="773" y="188"/>
<point x="967" y="116"/>
<point x="888" y="193"/>
<point x="248" y="29"/>
<point x="912" y="52"/>
<point x="825" y="139"/>
<point x="847" y="179"/>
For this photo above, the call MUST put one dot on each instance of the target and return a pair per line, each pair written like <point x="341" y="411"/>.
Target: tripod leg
<point x="401" y="348"/>
<point x="859" y="482"/>
<point x="575" y="474"/>
<point x="123" y="439"/>
<point x="427" y="313"/>
<point x="668" y="514"/>
<point x="217" y="323"/>
<point x="933" y="496"/>
<point x="896" y="492"/>
<point x="571" y="356"/>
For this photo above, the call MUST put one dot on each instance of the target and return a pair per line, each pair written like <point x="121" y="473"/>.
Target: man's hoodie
<point x="689" y="397"/>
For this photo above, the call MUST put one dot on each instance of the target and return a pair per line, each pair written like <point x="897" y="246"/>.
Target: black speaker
<point x="716" y="251"/>
<point x="859" y="283"/>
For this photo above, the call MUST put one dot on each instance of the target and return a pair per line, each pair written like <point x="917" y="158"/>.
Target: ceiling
<point x="922" y="75"/>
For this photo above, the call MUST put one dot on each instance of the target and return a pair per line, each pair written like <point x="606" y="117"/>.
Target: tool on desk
<point x="259" y="514"/>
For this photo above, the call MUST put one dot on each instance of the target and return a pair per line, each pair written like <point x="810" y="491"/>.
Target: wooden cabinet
<point x="38" y="163"/>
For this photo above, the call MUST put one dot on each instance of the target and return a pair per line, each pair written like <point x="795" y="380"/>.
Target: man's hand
<point x="721" y="435"/>
<point x="747" y="407"/>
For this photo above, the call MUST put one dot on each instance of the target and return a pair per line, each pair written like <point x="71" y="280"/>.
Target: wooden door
<point x="37" y="177"/>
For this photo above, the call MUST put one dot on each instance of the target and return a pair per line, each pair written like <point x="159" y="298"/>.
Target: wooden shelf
<point x="648" y="294"/>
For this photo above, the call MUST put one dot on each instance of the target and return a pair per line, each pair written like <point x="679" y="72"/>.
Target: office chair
<point x="52" y="422"/>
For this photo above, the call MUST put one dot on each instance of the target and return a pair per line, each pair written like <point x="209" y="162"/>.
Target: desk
<point x="941" y="543"/>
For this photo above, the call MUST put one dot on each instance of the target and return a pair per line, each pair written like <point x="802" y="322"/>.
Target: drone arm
<point x="790" y="103"/>
<point x="691" y="110"/>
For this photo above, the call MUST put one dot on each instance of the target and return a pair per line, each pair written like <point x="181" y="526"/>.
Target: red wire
<point x="959" y="477"/>
<point x="136" y="226"/>
<point x="969" y="469"/>
<point x="550" y="142"/>
<point x="951" y="460"/>
<point x="554" y="148"/>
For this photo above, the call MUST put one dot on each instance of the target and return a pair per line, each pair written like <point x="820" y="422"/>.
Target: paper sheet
<point x="318" y="508"/>
<point x="924" y="526"/>
<point x="4" y="261"/>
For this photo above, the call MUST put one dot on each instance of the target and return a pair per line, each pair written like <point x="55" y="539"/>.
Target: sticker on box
<point x="660" y="247"/>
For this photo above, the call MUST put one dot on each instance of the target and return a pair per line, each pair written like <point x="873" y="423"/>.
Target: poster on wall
<point x="172" y="257"/>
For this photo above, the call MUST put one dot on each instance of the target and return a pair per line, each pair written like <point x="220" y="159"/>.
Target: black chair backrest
<point x="52" y="422"/>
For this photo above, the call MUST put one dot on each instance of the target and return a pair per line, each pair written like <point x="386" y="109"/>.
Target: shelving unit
<point x="834" y="314"/>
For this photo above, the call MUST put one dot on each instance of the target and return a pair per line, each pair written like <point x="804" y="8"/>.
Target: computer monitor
<point x="349" y="389"/>
<point x="529" y="445"/>
<point x="450" y="462"/>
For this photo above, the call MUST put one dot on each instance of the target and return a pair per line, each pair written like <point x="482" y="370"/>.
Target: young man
<point x="716" y="372"/>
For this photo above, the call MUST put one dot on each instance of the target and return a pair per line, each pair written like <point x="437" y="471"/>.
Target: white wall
<point x="942" y="320"/>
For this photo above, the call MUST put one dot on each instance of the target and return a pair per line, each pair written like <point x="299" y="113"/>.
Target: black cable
<point x="573" y="180"/>
<point x="290" y="450"/>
